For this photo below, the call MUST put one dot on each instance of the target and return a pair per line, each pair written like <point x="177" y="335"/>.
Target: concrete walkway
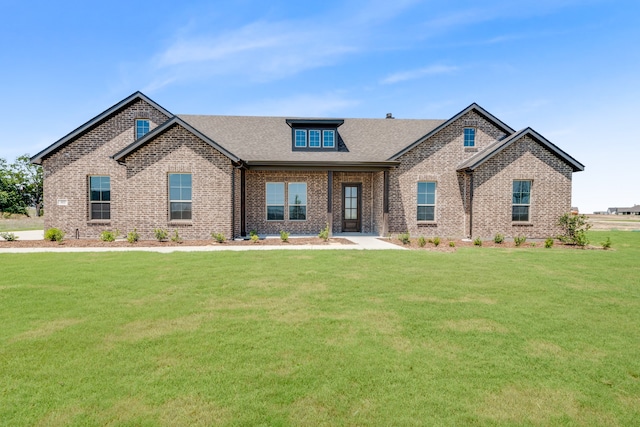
<point x="361" y="242"/>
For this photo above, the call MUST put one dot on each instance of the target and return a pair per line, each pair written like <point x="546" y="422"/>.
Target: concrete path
<point x="361" y="242"/>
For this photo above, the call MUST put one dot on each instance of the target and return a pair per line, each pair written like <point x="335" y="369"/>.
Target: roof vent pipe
<point x="390" y="116"/>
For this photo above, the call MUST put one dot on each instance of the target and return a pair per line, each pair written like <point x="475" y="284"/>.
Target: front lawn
<point x="481" y="336"/>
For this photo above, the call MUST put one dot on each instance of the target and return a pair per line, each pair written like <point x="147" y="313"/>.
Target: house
<point x="136" y="165"/>
<point x="635" y="210"/>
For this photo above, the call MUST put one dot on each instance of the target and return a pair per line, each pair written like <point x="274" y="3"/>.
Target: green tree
<point x="29" y="178"/>
<point x="10" y="198"/>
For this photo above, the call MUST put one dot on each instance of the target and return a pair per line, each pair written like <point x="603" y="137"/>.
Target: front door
<point x="351" y="203"/>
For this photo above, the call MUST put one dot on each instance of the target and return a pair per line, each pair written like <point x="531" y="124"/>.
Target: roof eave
<point x="321" y="165"/>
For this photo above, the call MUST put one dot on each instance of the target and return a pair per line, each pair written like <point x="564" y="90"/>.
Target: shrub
<point x="161" y="234"/>
<point x="6" y="215"/>
<point x="452" y="244"/>
<point x="605" y="245"/>
<point x="324" y="233"/>
<point x="284" y="236"/>
<point x="532" y="244"/>
<point x="574" y="229"/>
<point x="9" y="237"/>
<point x="548" y="243"/>
<point x="255" y="238"/>
<point x="219" y="237"/>
<point x="54" y="235"/>
<point x="422" y="241"/>
<point x="519" y="240"/>
<point x="253" y="233"/>
<point x="436" y="241"/>
<point x="108" y="235"/>
<point x="133" y="236"/>
<point x="404" y="238"/>
<point x="176" y="237"/>
<point x="477" y="241"/>
<point x="498" y="238"/>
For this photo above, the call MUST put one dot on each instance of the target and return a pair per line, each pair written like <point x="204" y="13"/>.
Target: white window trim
<point x="295" y="138"/>
<point x="528" y="205"/>
<point x="434" y="204"/>
<point x="266" y="202"/>
<point x="306" y="196"/>
<point x="136" y="127"/>
<point x="334" y="138"/>
<point x="179" y="201"/>
<point x="319" y="138"/>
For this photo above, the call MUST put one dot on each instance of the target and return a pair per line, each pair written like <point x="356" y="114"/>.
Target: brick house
<point x="137" y="165"/>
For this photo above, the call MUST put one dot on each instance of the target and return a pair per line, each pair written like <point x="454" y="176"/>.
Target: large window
<point x="275" y="201"/>
<point x="142" y="127"/>
<point x="521" y="200"/>
<point x="180" y="196"/>
<point x="99" y="197"/>
<point x="297" y="201"/>
<point x="426" y="201"/>
<point x="469" y="137"/>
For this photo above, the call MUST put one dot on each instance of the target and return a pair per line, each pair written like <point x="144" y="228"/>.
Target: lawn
<point x="481" y="336"/>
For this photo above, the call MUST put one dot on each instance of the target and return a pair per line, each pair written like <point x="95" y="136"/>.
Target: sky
<point x="569" y="69"/>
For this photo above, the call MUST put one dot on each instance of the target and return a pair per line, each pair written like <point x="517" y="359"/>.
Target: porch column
<point x="330" y="201"/>
<point x="385" y="203"/>
<point x="243" y="197"/>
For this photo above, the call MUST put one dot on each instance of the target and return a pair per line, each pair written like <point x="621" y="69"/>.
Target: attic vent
<point x="471" y="123"/>
<point x="390" y="116"/>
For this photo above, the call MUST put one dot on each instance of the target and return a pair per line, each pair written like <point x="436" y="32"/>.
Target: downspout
<point x="470" y="204"/>
<point x="233" y="202"/>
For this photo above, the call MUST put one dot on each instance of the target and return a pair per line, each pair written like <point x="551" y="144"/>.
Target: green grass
<point x="21" y="223"/>
<point x="476" y="337"/>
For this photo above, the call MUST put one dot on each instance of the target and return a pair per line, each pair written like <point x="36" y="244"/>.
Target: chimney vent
<point x="390" y="116"/>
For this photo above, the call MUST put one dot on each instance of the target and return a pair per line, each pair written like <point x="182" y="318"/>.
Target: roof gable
<point x="473" y="107"/>
<point x="37" y="159"/>
<point x="162" y="129"/>
<point x="492" y="150"/>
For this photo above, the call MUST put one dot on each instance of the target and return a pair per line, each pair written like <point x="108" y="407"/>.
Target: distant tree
<point x="29" y="178"/>
<point x="10" y="199"/>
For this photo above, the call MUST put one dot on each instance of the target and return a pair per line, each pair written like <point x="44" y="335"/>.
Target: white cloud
<point x="416" y="74"/>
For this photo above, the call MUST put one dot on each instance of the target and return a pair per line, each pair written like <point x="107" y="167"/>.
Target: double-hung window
<point x="469" y="137"/>
<point x="521" y="202"/>
<point x="99" y="197"/>
<point x="297" y="201"/>
<point x="275" y="201"/>
<point x="179" y="196"/>
<point x="142" y="127"/>
<point x="426" y="201"/>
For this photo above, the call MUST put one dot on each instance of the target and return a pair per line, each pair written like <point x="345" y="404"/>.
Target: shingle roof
<point x="269" y="138"/>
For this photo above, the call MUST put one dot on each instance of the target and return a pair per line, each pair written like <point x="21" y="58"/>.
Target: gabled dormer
<point x="314" y="134"/>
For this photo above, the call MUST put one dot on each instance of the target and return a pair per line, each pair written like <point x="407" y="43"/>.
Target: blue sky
<point x="568" y="69"/>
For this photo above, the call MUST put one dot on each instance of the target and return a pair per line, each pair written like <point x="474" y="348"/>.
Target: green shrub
<point x="284" y="236"/>
<point x="133" y="236"/>
<point x="574" y="229"/>
<point x="324" y="233"/>
<point x="176" y="237"/>
<point x="436" y="241"/>
<point x="452" y="244"/>
<point x="255" y="238"/>
<point x="422" y="241"/>
<point x="581" y="238"/>
<point x="532" y="244"/>
<point x="498" y="238"/>
<point x="6" y="215"/>
<point x="605" y="245"/>
<point x="477" y="241"/>
<point x="548" y="243"/>
<point x="9" y="237"/>
<point x="109" y="236"/>
<point x="253" y="233"/>
<point x="54" y="235"/>
<point x="219" y="237"/>
<point x="404" y="238"/>
<point x="161" y="234"/>
<point x="519" y="240"/>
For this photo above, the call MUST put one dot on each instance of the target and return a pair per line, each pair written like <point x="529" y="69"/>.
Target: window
<point x="426" y="201"/>
<point x="469" y="137"/>
<point x="521" y="200"/>
<point x="297" y="201"/>
<point x="179" y="196"/>
<point x="328" y="139"/>
<point x="142" y="127"/>
<point x="275" y="201"/>
<point x="301" y="138"/>
<point x="314" y="138"/>
<point x="99" y="197"/>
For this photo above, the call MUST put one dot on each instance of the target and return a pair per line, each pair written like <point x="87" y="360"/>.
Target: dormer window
<point x="142" y="127"/>
<point x="314" y="135"/>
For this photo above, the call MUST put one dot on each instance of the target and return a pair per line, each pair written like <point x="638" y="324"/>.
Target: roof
<point x="497" y="147"/>
<point x="268" y="139"/>
<point x="37" y="159"/>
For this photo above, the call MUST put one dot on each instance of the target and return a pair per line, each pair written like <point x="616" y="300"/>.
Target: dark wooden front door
<point x="351" y="207"/>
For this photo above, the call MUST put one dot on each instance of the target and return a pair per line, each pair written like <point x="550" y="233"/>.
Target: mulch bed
<point x="506" y="244"/>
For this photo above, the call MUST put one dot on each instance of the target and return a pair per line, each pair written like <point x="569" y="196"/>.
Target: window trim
<point x="527" y="205"/>
<point x="333" y="138"/>
<point x="307" y="132"/>
<point x="135" y="129"/>
<point x="472" y="142"/>
<point x="267" y="204"/>
<point x="92" y="202"/>
<point x="170" y="200"/>
<point x="434" y="204"/>
<point x="295" y="138"/>
<point x="289" y="205"/>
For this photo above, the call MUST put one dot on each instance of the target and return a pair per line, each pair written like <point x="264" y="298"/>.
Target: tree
<point x="10" y="199"/>
<point x="574" y="229"/>
<point x="29" y="178"/>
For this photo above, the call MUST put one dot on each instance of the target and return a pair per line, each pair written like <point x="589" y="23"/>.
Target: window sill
<point x="183" y="223"/>
<point x="522" y="224"/>
<point x="99" y="222"/>
<point x="470" y="149"/>
<point x="427" y="224"/>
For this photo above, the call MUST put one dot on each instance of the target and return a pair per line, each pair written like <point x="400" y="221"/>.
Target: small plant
<point x="108" y="235"/>
<point x="498" y="238"/>
<point x="532" y="244"/>
<point x="605" y="245"/>
<point x="548" y="243"/>
<point x="284" y="236"/>
<point x="9" y="237"/>
<point x="161" y="234"/>
<point x="574" y="229"/>
<point x="404" y="238"/>
<point x="581" y="238"/>
<point x="436" y="241"/>
<point x="324" y="233"/>
<point x="519" y="240"/>
<point x="422" y="241"/>
<point x="255" y="238"/>
<point x="253" y="233"/>
<point x="6" y="215"/>
<point x="133" y="236"/>
<point x="176" y="237"/>
<point x="477" y="241"/>
<point x="452" y="244"/>
<point x="219" y="237"/>
<point x="54" y="235"/>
